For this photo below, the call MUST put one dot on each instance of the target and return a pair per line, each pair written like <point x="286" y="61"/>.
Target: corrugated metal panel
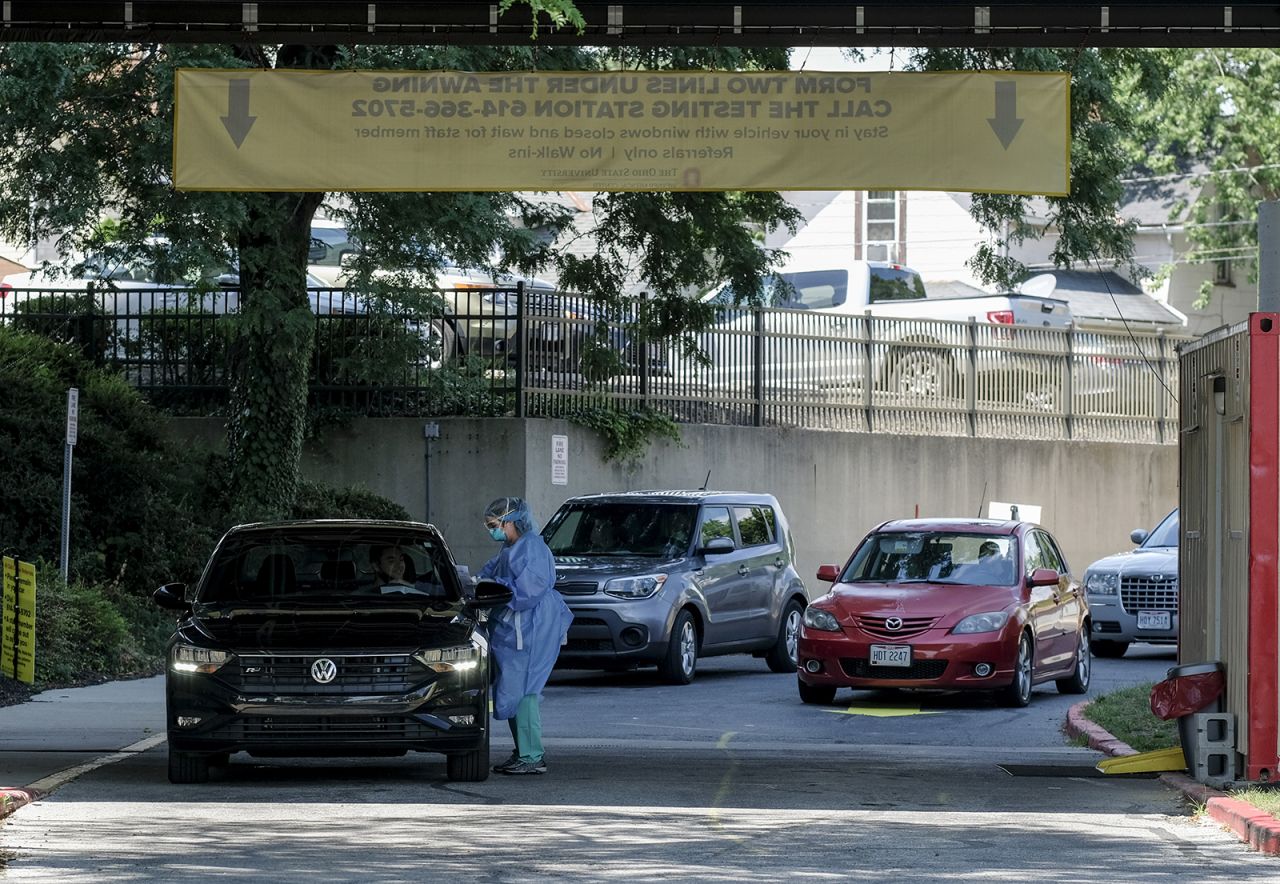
<point x="1213" y="491"/>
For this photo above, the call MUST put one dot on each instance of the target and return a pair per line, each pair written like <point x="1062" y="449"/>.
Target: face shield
<point x="510" y="509"/>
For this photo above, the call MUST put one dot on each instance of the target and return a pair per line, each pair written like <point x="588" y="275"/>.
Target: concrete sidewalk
<point x="58" y="734"/>
<point x="1260" y="830"/>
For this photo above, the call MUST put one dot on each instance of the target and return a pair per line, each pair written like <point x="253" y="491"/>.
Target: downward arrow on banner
<point x="1006" y="122"/>
<point x="237" y="121"/>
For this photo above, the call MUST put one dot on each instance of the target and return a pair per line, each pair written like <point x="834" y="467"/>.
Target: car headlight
<point x="1102" y="583"/>
<point x="988" y="622"/>
<point x="190" y="658"/>
<point x="497" y="299"/>
<point x="456" y="659"/>
<point x="816" y="618"/>
<point x="643" y="587"/>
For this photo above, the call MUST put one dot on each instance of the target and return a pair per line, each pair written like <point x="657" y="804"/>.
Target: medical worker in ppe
<point x="526" y="635"/>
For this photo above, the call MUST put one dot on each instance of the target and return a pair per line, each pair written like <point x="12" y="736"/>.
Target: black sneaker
<point x="524" y="767"/>
<point x="513" y="760"/>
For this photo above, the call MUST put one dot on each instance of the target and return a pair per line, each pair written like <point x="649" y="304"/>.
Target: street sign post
<point x="989" y="131"/>
<point x="73" y="429"/>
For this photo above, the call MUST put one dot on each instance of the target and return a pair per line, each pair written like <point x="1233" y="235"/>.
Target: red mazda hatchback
<point x="948" y="604"/>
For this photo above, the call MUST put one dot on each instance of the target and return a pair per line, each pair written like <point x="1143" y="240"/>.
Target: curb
<point x="1260" y="830"/>
<point x="12" y="798"/>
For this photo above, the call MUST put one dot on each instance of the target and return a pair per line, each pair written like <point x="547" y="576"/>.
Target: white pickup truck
<point x="835" y="326"/>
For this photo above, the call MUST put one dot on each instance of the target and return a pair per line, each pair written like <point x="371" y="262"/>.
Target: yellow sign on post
<point x="18" y="636"/>
<point x="990" y="131"/>
<point x="8" y="617"/>
<point x="25" y="659"/>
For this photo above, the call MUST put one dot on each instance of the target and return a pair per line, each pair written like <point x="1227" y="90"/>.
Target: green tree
<point x="87" y="136"/>
<point x="1104" y="82"/>
<point x="1216" y="126"/>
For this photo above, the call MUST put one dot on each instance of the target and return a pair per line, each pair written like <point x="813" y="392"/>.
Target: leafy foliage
<point x="143" y="512"/>
<point x="626" y="434"/>
<point x="87" y="135"/>
<point x="1086" y="221"/>
<point x="316" y="501"/>
<point x="1215" y="127"/>
<point x="133" y="499"/>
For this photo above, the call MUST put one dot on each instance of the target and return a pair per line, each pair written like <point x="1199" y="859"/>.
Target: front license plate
<point x="1154" y="620"/>
<point x="891" y="655"/>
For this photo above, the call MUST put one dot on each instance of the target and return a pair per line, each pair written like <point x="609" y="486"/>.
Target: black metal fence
<point x="530" y="352"/>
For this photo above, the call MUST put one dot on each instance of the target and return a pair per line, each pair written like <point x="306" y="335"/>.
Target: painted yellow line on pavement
<point x="883" y="711"/>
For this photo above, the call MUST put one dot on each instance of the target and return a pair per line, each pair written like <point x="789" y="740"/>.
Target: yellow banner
<point x="8" y="617"/>
<point x="253" y="130"/>
<point x="25" y="659"/>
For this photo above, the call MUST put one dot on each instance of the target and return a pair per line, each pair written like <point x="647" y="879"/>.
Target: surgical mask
<point x="497" y="533"/>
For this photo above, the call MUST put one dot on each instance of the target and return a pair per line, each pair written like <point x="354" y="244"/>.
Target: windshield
<point x="1166" y="533"/>
<point x="934" y="557"/>
<point x="621" y="529"/>
<point x="299" y="566"/>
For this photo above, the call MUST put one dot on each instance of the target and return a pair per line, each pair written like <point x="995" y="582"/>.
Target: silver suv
<point x="1134" y="595"/>
<point x="666" y="577"/>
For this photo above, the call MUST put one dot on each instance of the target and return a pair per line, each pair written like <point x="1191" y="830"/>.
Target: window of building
<point x="880" y="225"/>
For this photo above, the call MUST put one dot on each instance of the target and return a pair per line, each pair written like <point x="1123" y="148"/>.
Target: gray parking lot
<point x="730" y="778"/>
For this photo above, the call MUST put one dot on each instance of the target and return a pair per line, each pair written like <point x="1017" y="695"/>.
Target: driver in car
<point x="389" y="566"/>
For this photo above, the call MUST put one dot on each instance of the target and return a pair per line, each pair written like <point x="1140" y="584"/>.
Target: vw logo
<point x="324" y="670"/>
<point x="894" y="623"/>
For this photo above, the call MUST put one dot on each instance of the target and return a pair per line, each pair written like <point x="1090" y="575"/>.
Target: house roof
<point x="1153" y="201"/>
<point x="1109" y="297"/>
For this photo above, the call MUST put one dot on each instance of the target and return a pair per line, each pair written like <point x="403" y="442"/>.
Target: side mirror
<point x="490" y="594"/>
<point x="829" y="573"/>
<point x="1137" y="535"/>
<point x="718" y="545"/>
<point x="1043" y="577"/>
<point x="172" y="597"/>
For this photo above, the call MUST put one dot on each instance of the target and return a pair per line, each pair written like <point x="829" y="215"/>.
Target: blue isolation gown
<point x="527" y="634"/>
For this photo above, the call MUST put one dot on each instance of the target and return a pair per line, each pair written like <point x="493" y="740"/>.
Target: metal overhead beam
<point x="648" y="23"/>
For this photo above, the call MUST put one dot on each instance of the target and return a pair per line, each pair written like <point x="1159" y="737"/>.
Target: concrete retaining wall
<point x="832" y="486"/>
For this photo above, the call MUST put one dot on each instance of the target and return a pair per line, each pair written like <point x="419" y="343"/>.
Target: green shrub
<point x="71" y="318"/>
<point x="144" y="511"/>
<point x="316" y="501"/>
<point x="626" y="434"/>
<point x="80" y="635"/>
<point x="134" y="512"/>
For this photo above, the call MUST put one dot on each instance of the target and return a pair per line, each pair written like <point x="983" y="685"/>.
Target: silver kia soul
<point x="666" y="577"/>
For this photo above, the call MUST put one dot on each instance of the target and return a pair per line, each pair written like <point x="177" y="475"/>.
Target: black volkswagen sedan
<point x="328" y="638"/>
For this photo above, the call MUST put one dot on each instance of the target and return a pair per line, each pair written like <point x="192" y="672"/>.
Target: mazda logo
<point x="324" y="670"/>
<point x="893" y="623"/>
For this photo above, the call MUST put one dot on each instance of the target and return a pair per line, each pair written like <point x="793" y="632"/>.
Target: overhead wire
<point x="1134" y="338"/>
